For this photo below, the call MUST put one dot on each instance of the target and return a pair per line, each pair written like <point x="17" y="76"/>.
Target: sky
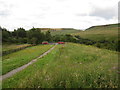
<point x="78" y="14"/>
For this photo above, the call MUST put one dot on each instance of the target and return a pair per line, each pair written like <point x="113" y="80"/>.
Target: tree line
<point x="35" y="36"/>
<point x="20" y="35"/>
<point x="32" y="36"/>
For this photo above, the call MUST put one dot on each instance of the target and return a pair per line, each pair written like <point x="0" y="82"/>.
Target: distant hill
<point x="101" y="32"/>
<point x="56" y="29"/>
<point x="108" y="26"/>
<point x="59" y="31"/>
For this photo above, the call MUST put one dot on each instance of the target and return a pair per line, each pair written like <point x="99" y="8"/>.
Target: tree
<point x="48" y="36"/>
<point x="5" y="35"/>
<point x="21" y="32"/>
<point x="34" y="40"/>
<point x="14" y="33"/>
<point x="36" y="36"/>
<point x="70" y="38"/>
<point x="56" y="38"/>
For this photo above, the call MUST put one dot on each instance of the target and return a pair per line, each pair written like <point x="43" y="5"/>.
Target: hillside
<point x="103" y="27"/>
<point x="103" y="32"/>
<point x="59" y="31"/>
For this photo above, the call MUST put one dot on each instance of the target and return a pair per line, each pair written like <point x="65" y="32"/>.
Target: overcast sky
<point x="79" y="14"/>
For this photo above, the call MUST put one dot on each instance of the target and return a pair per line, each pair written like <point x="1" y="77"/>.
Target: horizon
<point x="57" y="13"/>
<point x="61" y="28"/>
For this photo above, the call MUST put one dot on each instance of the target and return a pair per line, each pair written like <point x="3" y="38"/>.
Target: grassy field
<point x="70" y="66"/>
<point x="98" y="33"/>
<point x="6" y="47"/>
<point x="16" y="59"/>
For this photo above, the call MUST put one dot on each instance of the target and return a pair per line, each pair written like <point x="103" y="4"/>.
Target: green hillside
<point x="103" y="32"/>
<point x="70" y="66"/>
<point x="108" y="27"/>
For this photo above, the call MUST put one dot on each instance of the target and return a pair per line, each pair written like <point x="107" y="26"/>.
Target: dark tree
<point x="21" y="32"/>
<point x="35" y="36"/>
<point x="5" y="35"/>
<point x="48" y="36"/>
<point x="14" y="33"/>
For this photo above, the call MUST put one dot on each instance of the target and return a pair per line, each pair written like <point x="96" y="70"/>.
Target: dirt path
<point x="9" y="74"/>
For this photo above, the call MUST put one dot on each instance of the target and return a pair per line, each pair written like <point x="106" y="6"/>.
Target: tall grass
<point x="70" y="66"/>
<point x="17" y="59"/>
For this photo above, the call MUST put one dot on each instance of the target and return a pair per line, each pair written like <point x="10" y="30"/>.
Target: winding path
<point x="9" y="74"/>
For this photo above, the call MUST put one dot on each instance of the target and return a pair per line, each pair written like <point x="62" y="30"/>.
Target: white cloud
<point x="56" y="13"/>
